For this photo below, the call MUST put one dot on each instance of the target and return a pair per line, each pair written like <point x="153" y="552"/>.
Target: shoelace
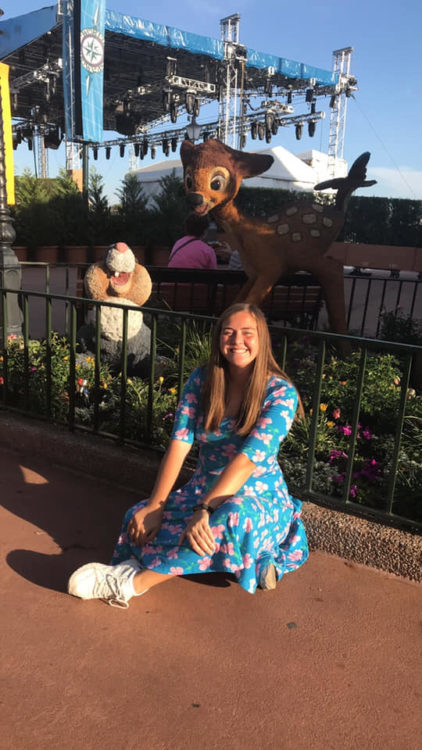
<point x="111" y="585"/>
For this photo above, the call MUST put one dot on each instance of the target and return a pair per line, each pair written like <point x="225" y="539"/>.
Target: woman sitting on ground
<point x="235" y="515"/>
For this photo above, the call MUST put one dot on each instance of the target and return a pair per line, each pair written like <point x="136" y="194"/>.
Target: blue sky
<point x="385" y="117"/>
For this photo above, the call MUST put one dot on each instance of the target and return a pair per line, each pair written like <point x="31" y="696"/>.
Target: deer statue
<point x="296" y="238"/>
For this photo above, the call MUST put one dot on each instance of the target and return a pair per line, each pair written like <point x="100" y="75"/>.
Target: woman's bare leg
<point x="146" y="579"/>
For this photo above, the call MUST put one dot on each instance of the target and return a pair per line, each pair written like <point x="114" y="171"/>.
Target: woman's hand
<point x="144" y="525"/>
<point x="199" y="534"/>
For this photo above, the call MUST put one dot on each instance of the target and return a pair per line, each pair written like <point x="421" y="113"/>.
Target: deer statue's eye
<point x="188" y="181"/>
<point x="217" y="183"/>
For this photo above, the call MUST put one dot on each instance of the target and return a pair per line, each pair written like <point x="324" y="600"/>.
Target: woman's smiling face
<point x="239" y="342"/>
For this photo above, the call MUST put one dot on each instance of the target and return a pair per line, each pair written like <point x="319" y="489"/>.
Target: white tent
<point x="288" y="172"/>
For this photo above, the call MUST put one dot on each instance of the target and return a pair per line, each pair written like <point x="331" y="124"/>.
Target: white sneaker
<point x="268" y="578"/>
<point x="112" y="583"/>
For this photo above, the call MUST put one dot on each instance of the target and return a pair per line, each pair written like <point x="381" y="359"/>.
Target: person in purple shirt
<point x="191" y="251"/>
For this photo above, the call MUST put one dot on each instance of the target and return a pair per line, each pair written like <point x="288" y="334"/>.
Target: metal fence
<point x="53" y="376"/>
<point x="295" y="301"/>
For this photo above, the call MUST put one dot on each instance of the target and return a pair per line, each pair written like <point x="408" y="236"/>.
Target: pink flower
<point x="189" y="411"/>
<point x="217" y="531"/>
<point x="336" y="413"/>
<point x="191" y="398"/>
<point x="173" y="554"/>
<point x="347" y="430"/>
<point x="181" y="434"/>
<point x="297" y="554"/>
<point x="247" y="560"/>
<point x="233" y="519"/>
<point x="227" y="549"/>
<point x="261" y="486"/>
<point x="176" y="571"/>
<point x="205" y="563"/>
<point x="266" y="437"/>
<point x="156" y="561"/>
<point x="258" y="456"/>
<point x="367" y="434"/>
<point x="229" y="450"/>
<point x="248" y="525"/>
<point x="353" y="490"/>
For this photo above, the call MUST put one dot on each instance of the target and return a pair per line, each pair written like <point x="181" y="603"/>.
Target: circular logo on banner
<point x="92" y="50"/>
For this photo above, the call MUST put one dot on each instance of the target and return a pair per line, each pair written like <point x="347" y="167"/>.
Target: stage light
<point x="193" y="129"/>
<point x="136" y="149"/>
<point x="254" y="130"/>
<point x="53" y="138"/>
<point x="268" y="136"/>
<point x="30" y="144"/>
<point x="108" y="152"/>
<point x="261" y="131"/>
<point x="173" y="112"/>
<point x="18" y="136"/>
<point x="122" y="149"/>
<point x="274" y="126"/>
<point x="311" y="128"/>
<point x="309" y="95"/>
<point x="152" y="151"/>
<point x="269" y="119"/>
<point x="290" y="97"/>
<point x="144" y="147"/>
<point x="243" y="139"/>
<point x="166" y="146"/>
<point x="333" y="101"/>
<point x="95" y="153"/>
<point x="349" y="93"/>
<point x="299" y="130"/>
<point x="174" y="144"/>
<point x="313" y="108"/>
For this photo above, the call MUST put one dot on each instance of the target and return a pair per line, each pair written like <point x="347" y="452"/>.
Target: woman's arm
<point x="168" y="472"/>
<point x="146" y="522"/>
<point x="198" y="531"/>
<point x="230" y="481"/>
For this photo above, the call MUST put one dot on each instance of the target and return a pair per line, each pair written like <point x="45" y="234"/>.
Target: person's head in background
<point x="196" y="225"/>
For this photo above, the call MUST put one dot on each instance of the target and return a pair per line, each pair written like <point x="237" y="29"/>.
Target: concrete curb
<point x="355" y="539"/>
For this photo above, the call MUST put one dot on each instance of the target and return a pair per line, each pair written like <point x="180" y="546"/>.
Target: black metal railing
<point x="50" y="377"/>
<point x="296" y="300"/>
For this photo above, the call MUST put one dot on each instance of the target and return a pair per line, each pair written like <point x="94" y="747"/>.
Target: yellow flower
<point x="161" y="379"/>
<point x="65" y="358"/>
<point x="330" y="424"/>
<point x="172" y="391"/>
<point x="311" y="411"/>
<point x="129" y="381"/>
<point x="105" y="385"/>
<point x="323" y="407"/>
<point x="89" y="359"/>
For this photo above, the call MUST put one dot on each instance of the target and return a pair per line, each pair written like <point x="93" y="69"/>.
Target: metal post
<point x="85" y="173"/>
<point x="10" y="268"/>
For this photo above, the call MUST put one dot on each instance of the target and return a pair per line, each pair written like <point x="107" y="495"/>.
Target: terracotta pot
<point x="75" y="254"/>
<point x="46" y="253"/>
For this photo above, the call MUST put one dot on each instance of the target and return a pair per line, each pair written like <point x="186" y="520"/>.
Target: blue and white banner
<point x="83" y="68"/>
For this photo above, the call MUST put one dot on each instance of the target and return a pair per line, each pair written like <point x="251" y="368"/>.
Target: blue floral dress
<point x="259" y="525"/>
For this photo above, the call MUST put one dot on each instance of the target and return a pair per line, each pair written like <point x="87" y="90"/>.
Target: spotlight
<point x="173" y="112"/>
<point x="136" y="149"/>
<point x="243" y="138"/>
<point x="53" y="138"/>
<point x="254" y="130"/>
<point x="30" y="144"/>
<point x="349" y="93"/>
<point x="108" y="152"/>
<point x="268" y="136"/>
<point x="290" y="97"/>
<point x="311" y="128"/>
<point x="18" y="136"/>
<point x="152" y="151"/>
<point x="333" y="101"/>
<point x="95" y="153"/>
<point x="309" y="95"/>
<point x="166" y="147"/>
<point x="174" y="144"/>
<point x="299" y="130"/>
<point x="274" y="127"/>
<point x="313" y="108"/>
<point x="261" y="131"/>
<point x="269" y="119"/>
<point x="205" y="135"/>
<point x="144" y="147"/>
<point x="122" y="149"/>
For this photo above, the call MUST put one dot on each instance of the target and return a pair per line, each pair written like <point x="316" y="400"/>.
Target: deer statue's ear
<point x="250" y="165"/>
<point x="186" y="152"/>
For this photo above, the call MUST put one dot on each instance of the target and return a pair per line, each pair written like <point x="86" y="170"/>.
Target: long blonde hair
<point x="217" y="374"/>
